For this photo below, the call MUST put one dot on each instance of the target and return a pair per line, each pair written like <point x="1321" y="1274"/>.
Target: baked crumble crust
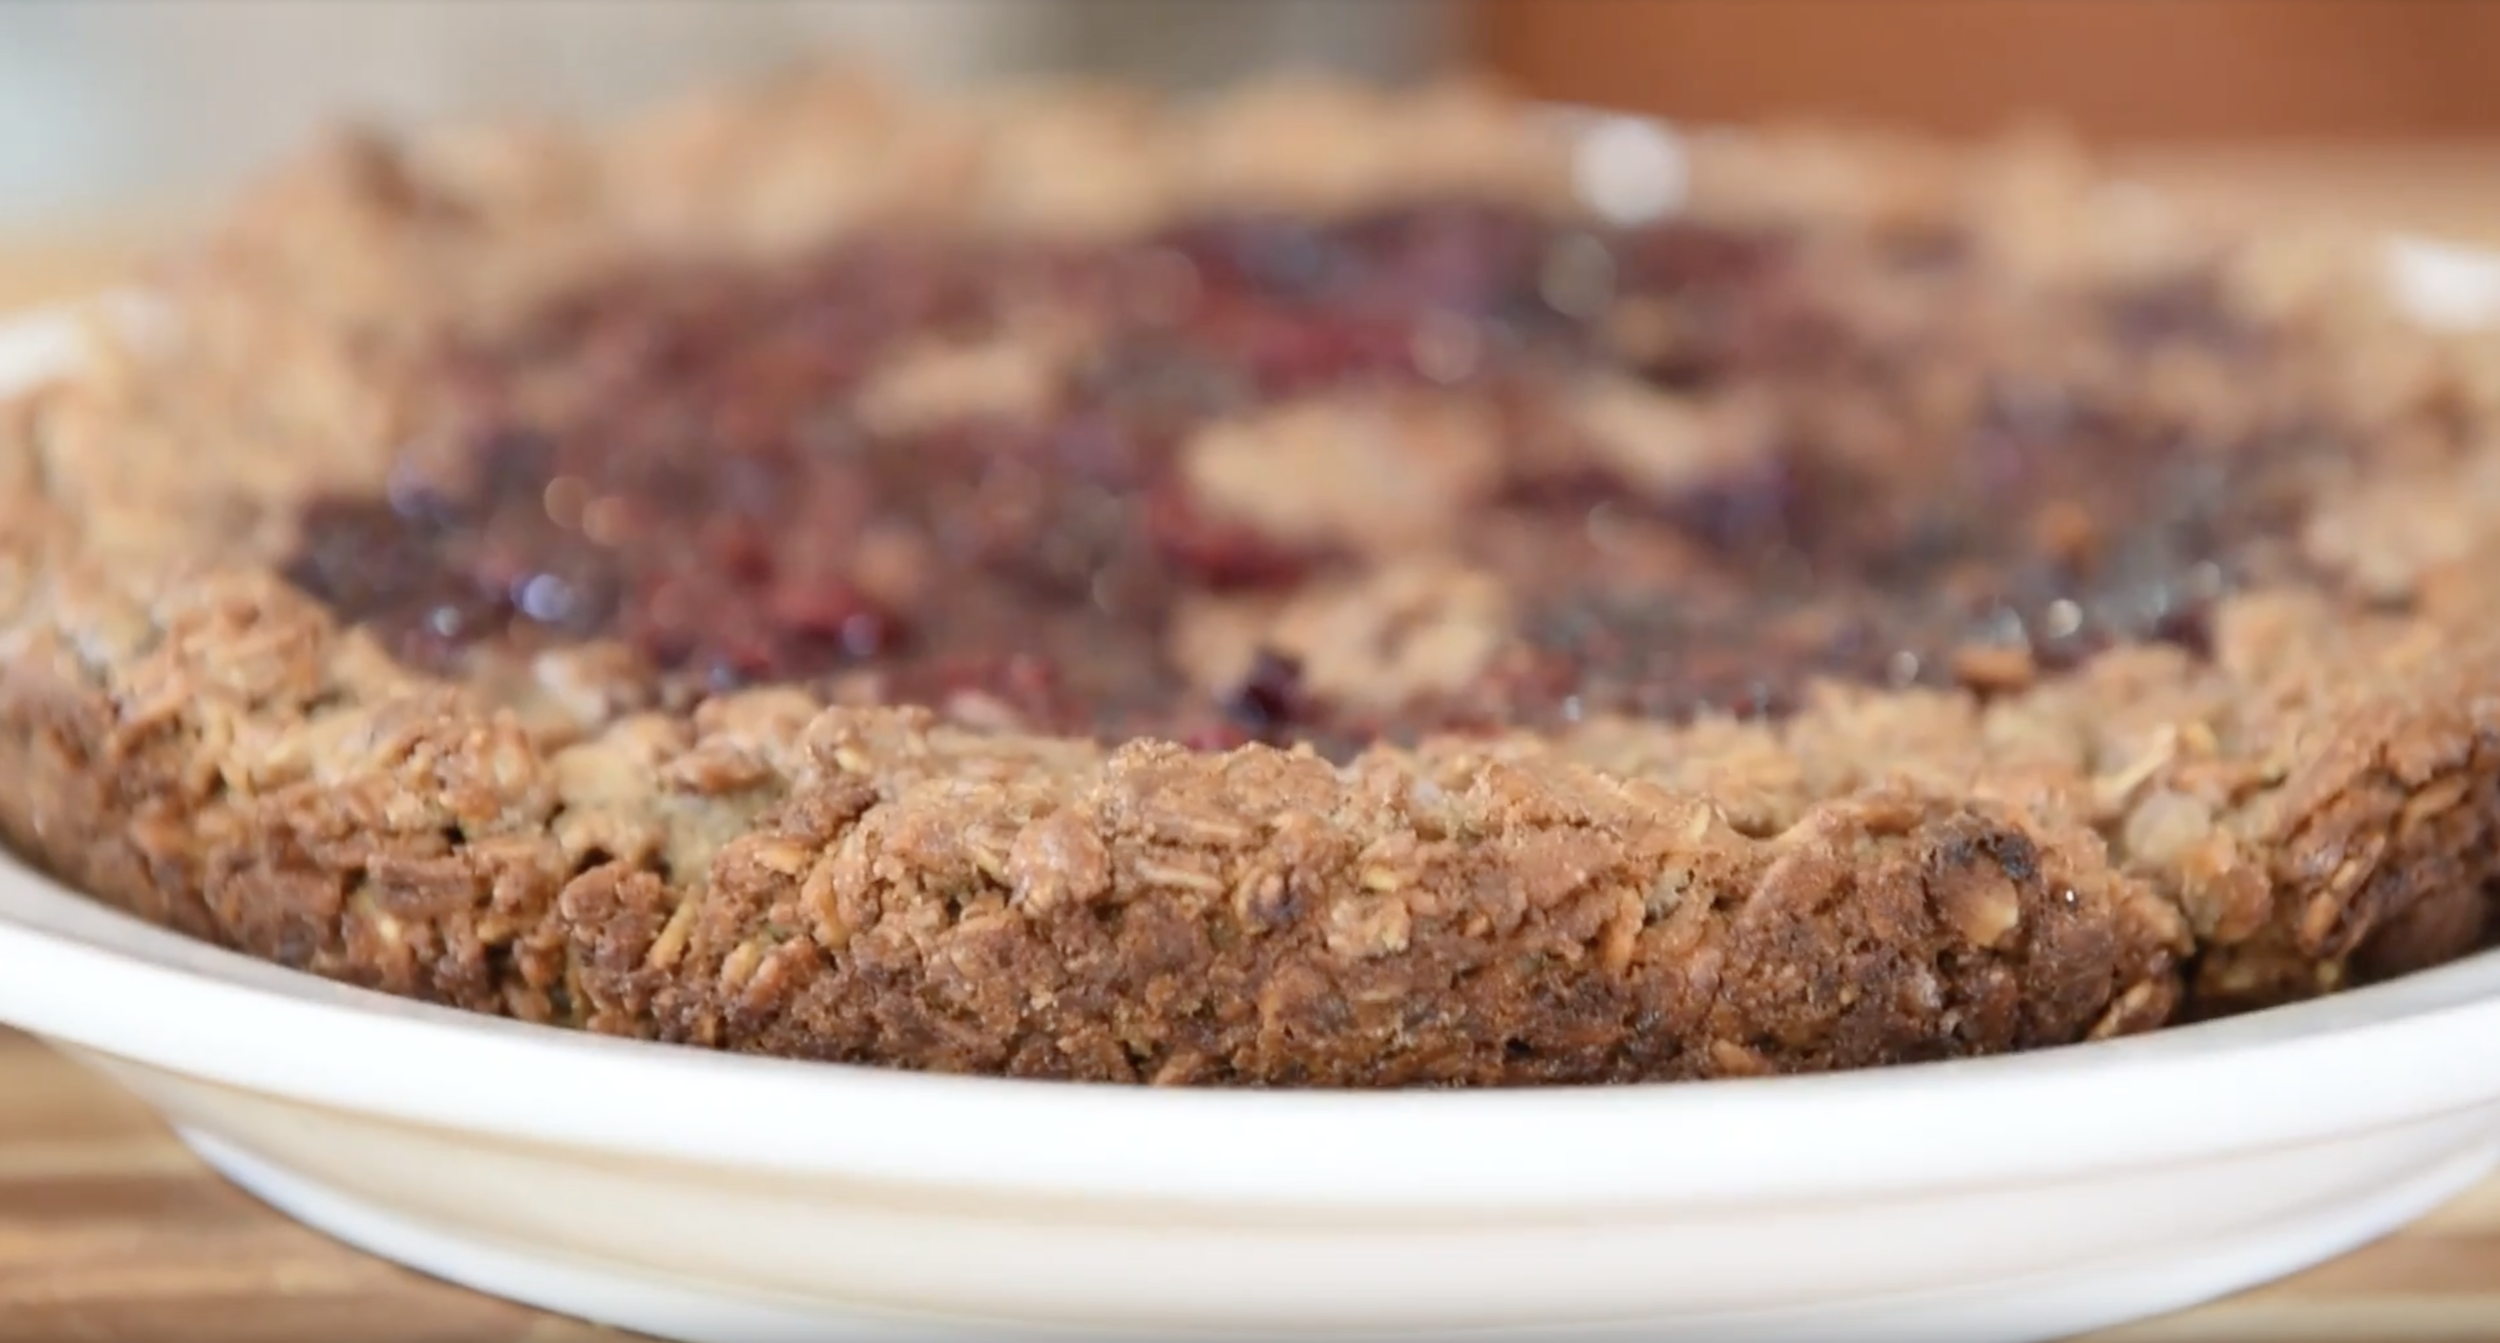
<point x="2021" y="854"/>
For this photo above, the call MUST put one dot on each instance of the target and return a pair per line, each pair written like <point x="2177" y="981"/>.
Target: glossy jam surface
<point x="680" y="460"/>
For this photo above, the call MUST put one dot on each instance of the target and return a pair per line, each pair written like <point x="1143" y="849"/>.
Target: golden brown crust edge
<point x="1887" y="877"/>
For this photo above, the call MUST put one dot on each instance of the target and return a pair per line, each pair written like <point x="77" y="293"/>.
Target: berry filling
<point x="1445" y="468"/>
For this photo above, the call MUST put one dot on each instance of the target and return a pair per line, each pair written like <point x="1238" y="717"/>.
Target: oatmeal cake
<point x="1313" y="587"/>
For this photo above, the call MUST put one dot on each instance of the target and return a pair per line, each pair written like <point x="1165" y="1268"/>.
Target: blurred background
<point x="118" y="109"/>
<point x="2119" y="70"/>
<point x="103" y="102"/>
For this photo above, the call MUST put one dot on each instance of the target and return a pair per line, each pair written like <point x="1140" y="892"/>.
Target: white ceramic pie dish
<point x="723" y="1199"/>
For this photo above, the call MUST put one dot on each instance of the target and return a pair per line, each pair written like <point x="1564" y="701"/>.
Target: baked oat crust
<point x="1886" y="874"/>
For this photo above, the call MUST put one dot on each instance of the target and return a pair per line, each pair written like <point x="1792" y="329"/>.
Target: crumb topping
<point x="1269" y="593"/>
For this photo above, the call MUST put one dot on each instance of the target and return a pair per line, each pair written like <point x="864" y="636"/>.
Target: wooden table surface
<point x="111" y="1232"/>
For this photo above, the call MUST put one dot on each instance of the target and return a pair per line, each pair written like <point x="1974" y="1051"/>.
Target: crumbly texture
<point x="2302" y="796"/>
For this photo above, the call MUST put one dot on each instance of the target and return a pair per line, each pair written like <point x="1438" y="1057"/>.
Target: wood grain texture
<point x="111" y="1232"/>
